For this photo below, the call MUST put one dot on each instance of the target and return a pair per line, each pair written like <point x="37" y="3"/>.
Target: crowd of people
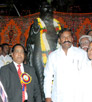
<point x="65" y="77"/>
<point x="67" y="74"/>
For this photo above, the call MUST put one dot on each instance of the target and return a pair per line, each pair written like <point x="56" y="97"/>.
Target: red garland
<point x="57" y="29"/>
<point x="44" y="30"/>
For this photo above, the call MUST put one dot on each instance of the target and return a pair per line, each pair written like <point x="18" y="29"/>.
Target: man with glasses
<point x="84" y="42"/>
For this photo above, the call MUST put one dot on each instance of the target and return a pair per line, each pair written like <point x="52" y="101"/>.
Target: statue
<point x="42" y="40"/>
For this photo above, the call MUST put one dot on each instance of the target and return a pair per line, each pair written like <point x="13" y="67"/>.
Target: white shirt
<point x="86" y="82"/>
<point x="16" y="65"/>
<point x="66" y="71"/>
<point x="5" y="60"/>
<point x="22" y="70"/>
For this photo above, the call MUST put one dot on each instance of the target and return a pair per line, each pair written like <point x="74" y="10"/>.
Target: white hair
<point x="85" y="36"/>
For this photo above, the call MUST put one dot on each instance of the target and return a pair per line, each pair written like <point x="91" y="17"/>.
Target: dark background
<point x="25" y="7"/>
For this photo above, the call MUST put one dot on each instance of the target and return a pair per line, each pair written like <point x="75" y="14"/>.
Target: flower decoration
<point x="26" y="78"/>
<point x="43" y="40"/>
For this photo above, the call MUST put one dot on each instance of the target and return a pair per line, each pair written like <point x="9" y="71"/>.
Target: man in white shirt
<point x="86" y="77"/>
<point x="5" y="58"/>
<point x="65" y="65"/>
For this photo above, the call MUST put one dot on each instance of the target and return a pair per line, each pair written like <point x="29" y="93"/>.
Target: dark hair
<point x="0" y="45"/>
<point x="88" y="32"/>
<point x="4" y="44"/>
<point x="13" y="48"/>
<point x="63" y="30"/>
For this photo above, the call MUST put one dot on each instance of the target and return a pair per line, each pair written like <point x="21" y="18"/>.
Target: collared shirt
<point x="66" y="70"/>
<point x="5" y="60"/>
<point x="22" y="70"/>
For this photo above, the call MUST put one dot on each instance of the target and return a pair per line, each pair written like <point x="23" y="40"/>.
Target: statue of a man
<point x="42" y="40"/>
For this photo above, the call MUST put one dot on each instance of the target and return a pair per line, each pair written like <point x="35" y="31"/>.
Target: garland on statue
<point x="45" y="48"/>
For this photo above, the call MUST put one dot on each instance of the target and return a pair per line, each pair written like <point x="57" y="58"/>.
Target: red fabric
<point x="23" y="92"/>
<point x="15" y="30"/>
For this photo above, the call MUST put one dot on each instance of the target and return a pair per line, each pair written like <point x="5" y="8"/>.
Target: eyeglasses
<point x="85" y="42"/>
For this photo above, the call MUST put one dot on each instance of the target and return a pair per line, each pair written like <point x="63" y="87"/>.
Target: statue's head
<point x="46" y="9"/>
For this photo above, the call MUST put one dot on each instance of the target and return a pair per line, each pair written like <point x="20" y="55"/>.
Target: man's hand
<point x="48" y="100"/>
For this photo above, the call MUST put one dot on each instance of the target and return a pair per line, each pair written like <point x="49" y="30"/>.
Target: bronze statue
<point x="42" y="40"/>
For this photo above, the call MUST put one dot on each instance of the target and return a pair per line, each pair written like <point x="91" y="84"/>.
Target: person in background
<point x="1" y="50"/>
<point x="19" y="80"/>
<point x="84" y="41"/>
<point x="65" y="65"/>
<point x="5" y="58"/>
<point x="89" y="33"/>
<point x="86" y="77"/>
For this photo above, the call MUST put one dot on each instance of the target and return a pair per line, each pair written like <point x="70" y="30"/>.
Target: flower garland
<point x="44" y="43"/>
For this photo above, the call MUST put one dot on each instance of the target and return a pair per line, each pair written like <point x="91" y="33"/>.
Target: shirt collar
<point x="17" y="66"/>
<point x="4" y="56"/>
<point x="69" y="50"/>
